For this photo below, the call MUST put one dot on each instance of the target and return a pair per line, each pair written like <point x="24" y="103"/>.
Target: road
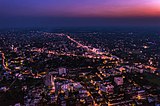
<point x="96" y="51"/>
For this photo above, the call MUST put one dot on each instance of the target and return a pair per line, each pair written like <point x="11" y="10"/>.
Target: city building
<point x="118" y="80"/>
<point x="49" y="80"/>
<point x="62" y="71"/>
<point x="108" y="88"/>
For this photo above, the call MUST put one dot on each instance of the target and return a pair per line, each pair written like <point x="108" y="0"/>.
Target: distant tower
<point x="2" y="60"/>
<point x="49" y="81"/>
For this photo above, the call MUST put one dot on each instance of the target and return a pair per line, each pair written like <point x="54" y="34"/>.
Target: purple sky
<point x="81" y="8"/>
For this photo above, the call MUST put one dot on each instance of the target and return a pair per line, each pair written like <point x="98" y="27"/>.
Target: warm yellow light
<point x="109" y="104"/>
<point x="139" y="97"/>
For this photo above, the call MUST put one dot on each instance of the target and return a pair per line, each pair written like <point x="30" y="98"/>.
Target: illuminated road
<point x="93" y="50"/>
<point x="3" y="61"/>
<point x="96" y="51"/>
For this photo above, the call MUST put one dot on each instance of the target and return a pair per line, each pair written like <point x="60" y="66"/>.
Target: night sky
<point x="79" y="13"/>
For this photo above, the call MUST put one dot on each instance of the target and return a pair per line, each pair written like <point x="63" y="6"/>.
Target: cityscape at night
<point x="79" y="53"/>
